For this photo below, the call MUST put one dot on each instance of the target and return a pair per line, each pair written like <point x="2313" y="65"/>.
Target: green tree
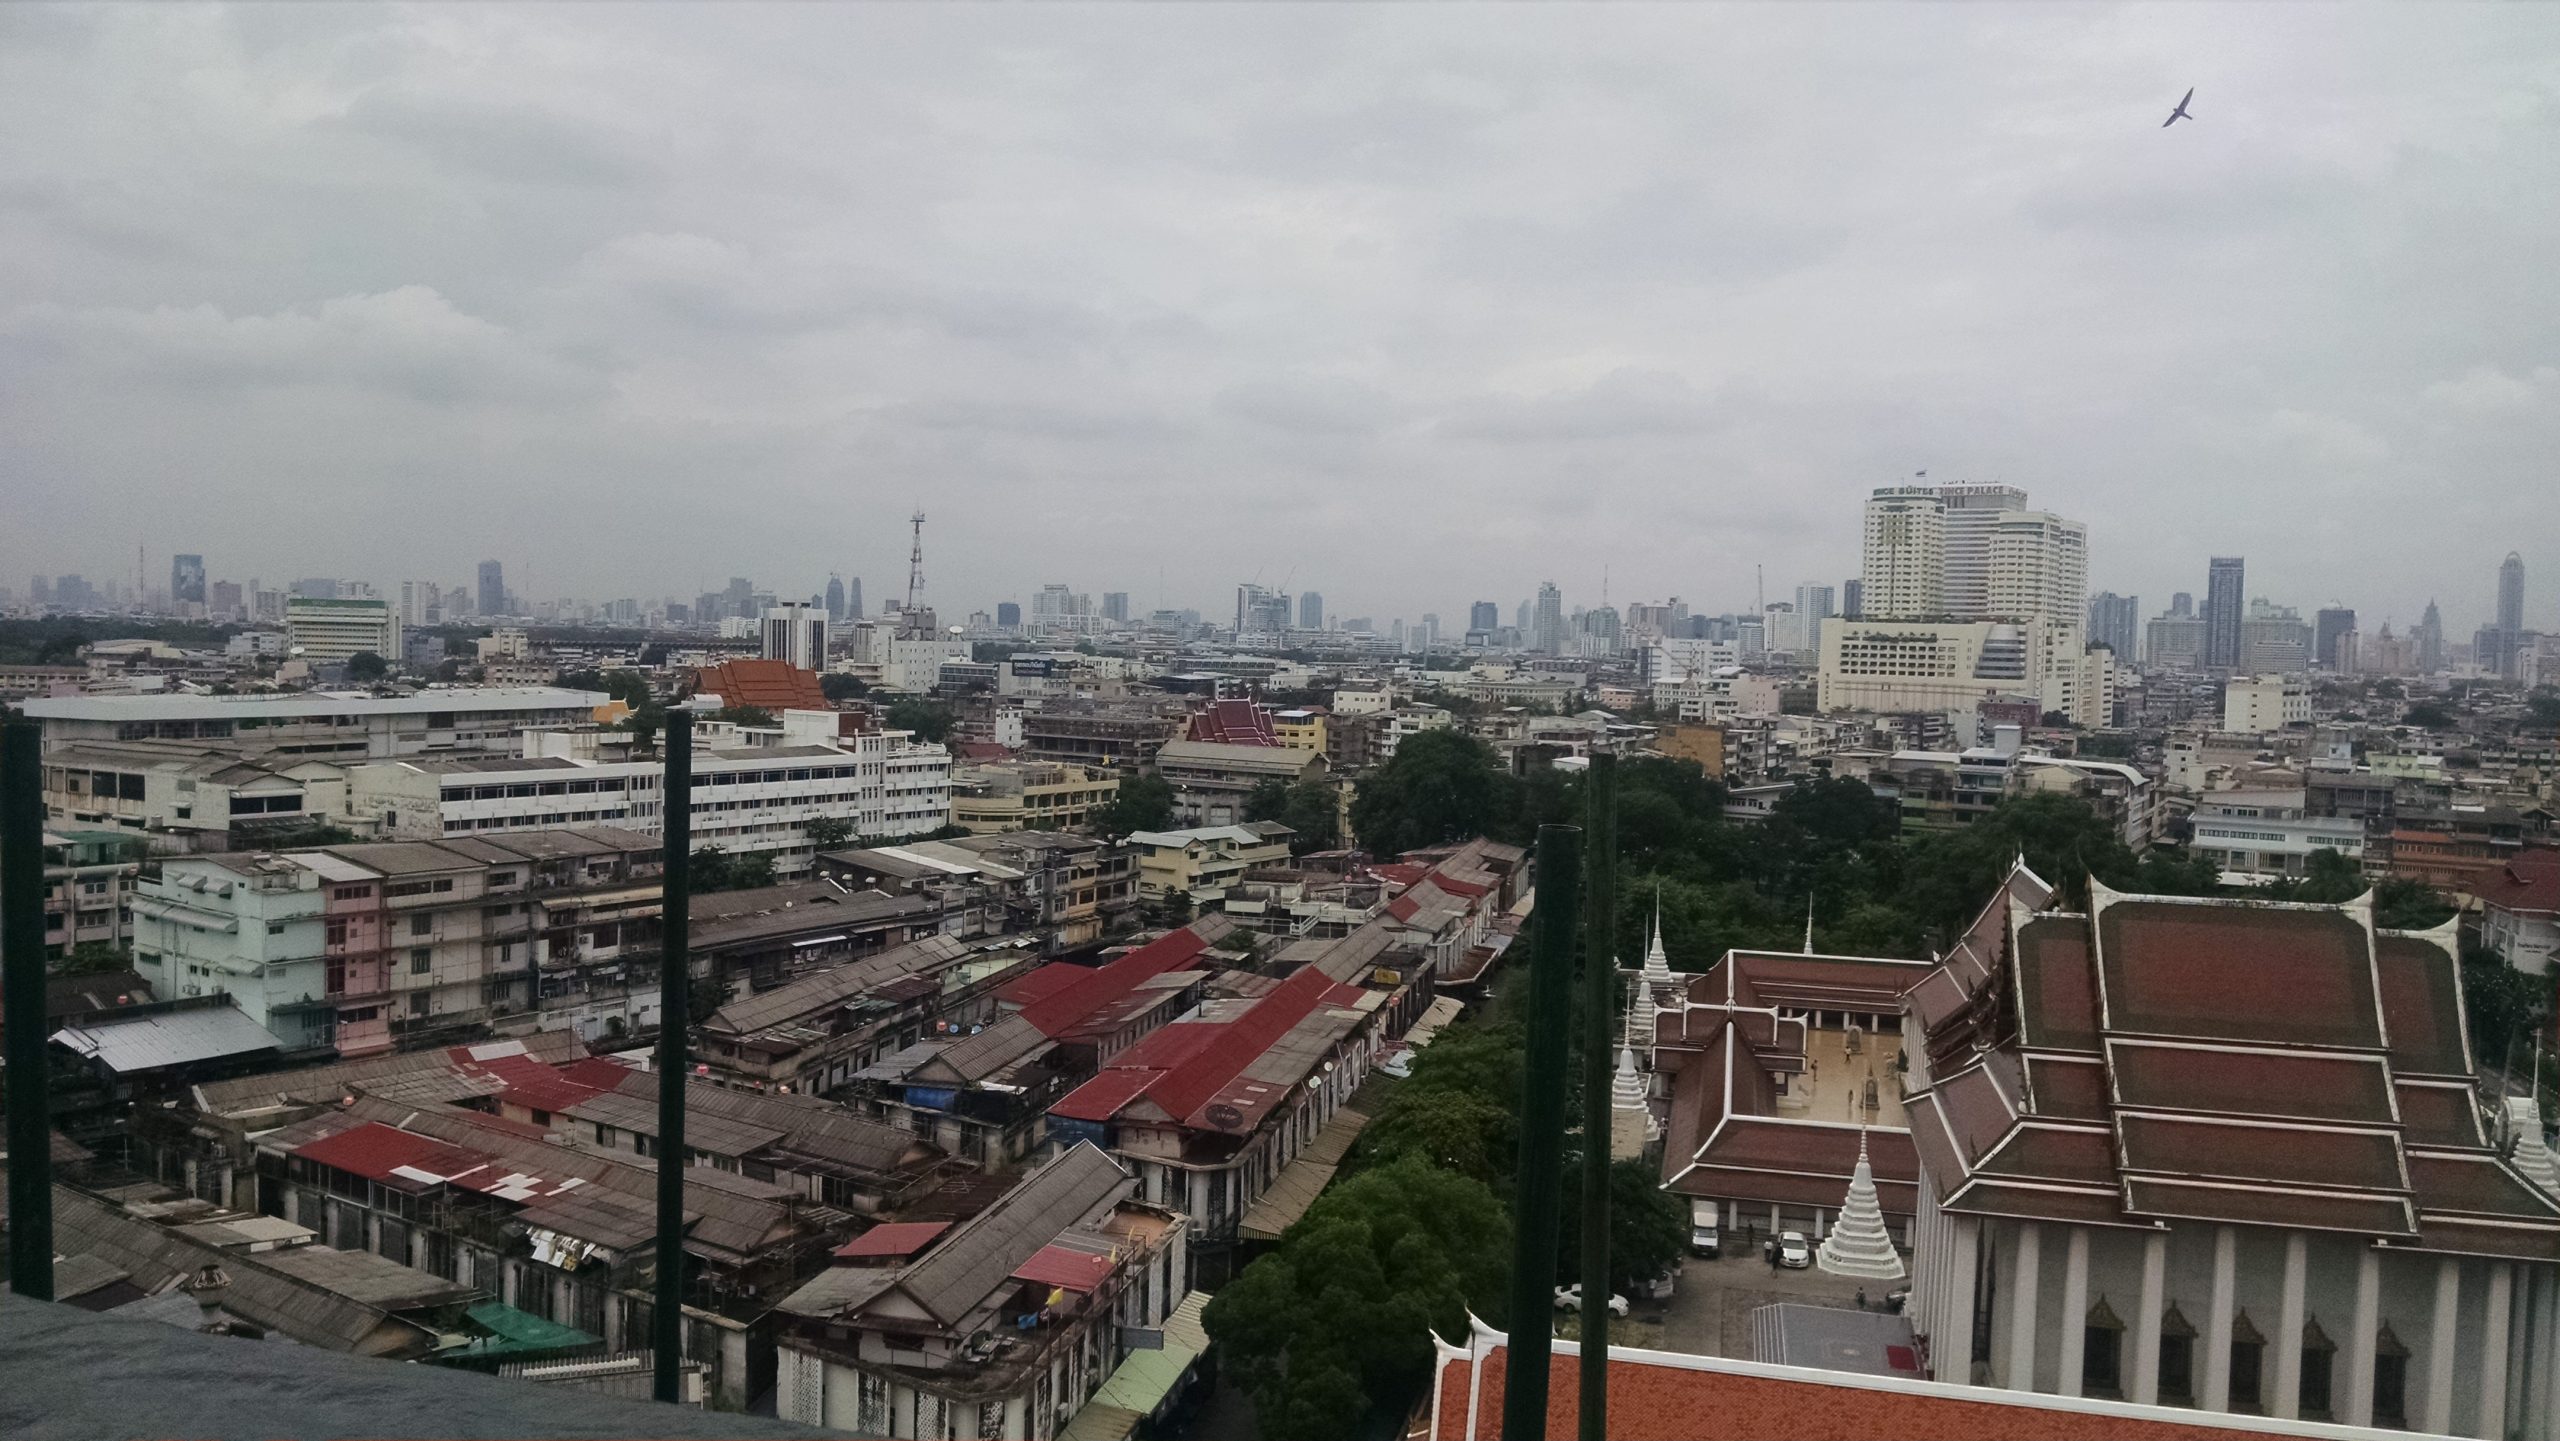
<point x="1648" y="1226"/>
<point x="365" y="665"/>
<point x="2504" y="1005"/>
<point x="1309" y="808"/>
<point x="755" y="716"/>
<point x="2403" y="904"/>
<point x="2170" y="872"/>
<point x="841" y="686"/>
<point x="2428" y="715"/>
<point x="930" y="722"/>
<point x="2327" y="879"/>
<point x="1441" y="786"/>
<point x="1143" y="803"/>
<point x="717" y="870"/>
<point x="1949" y="876"/>
<point x="91" y="958"/>
<point x="828" y="833"/>
<point x="1334" y="1327"/>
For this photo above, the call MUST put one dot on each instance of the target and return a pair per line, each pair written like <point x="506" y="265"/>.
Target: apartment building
<point x="1211" y="780"/>
<point x="1180" y="862"/>
<point x="1057" y="891"/>
<point x="322" y="725"/>
<point x="2263" y="705"/>
<point x="360" y="948"/>
<point x="323" y="631"/>
<point x="88" y="889"/>
<point x="992" y="797"/>
<point x="1003" y="1324"/>
<point x="1120" y="737"/>
<point x="2258" y="836"/>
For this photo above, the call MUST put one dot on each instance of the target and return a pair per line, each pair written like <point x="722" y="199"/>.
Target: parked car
<point x="1794" y="1251"/>
<point x="1399" y="1063"/>
<point x="1569" y="1298"/>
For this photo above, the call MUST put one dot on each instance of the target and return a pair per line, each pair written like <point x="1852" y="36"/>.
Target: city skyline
<point x="1336" y="336"/>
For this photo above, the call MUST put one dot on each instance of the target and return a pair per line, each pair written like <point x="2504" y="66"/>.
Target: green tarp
<point x="514" y="1335"/>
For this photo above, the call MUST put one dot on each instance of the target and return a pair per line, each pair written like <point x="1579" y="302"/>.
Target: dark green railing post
<point x="675" y="990"/>
<point x="22" y="986"/>
<point x="1599" y="1008"/>
<point x="1541" y="1181"/>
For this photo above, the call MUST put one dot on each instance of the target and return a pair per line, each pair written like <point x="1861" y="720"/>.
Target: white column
<point x="2287" y="1341"/>
<point x="1954" y="1349"/>
<point x="2358" y="1410"/>
<point x="2145" y="1390"/>
<point x="2217" y="1326"/>
<point x="2436" y="1415"/>
<point x="2021" y="1374"/>
<point x="2537" y="1409"/>
<point x="2519" y="1341"/>
<point x="1817" y="1223"/>
<point x="2546" y="1362"/>
<point x="2074" y="1320"/>
<point x="2496" y="1318"/>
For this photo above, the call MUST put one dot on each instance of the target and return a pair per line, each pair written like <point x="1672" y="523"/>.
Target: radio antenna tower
<point x="915" y="565"/>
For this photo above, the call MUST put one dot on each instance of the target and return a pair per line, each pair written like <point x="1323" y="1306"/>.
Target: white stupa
<point x="2524" y="1120"/>
<point x="1858" y="1245"/>
<point x="1631" y="1123"/>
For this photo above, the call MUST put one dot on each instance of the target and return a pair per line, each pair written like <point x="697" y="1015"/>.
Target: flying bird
<point x="2181" y="112"/>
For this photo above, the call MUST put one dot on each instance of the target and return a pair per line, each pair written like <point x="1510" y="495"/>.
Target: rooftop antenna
<point x="915" y="564"/>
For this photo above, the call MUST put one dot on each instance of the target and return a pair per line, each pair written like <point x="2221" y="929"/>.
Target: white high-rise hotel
<point x="1967" y="594"/>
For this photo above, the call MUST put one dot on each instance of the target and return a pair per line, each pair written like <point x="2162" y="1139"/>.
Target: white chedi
<point x="2532" y="1157"/>
<point x="1858" y="1244"/>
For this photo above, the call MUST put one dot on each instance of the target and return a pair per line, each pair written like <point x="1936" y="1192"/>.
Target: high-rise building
<point x="2428" y="641"/>
<point x="796" y="633"/>
<point x="2226" y="577"/>
<point x="1008" y="615"/>
<point x="835" y="597"/>
<point x="2511" y="593"/>
<point x="1311" y="610"/>
<point x="2502" y="640"/>
<point x="1973" y="514"/>
<point x="186" y="580"/>
<point x="2182" y="604"/>
<point x="2037" y="568"/>
<point x="2174" y="640"/>
<point x="853" y="598"/>
<point x="336" y="630"/>
<point x="1484" y="617"/>
<point x="2113" y="620"/>
<point x="2273" y="640"/>
<point x="1546" y="626"/>
<point x="493" y="588"/>
<point x="1853" y="599"/>
<point x="2327" y="627"/>
<point x="1115" y="606"/>
<point x="1816" y="601"/>
<point x="1904" y="556"/>
<point x="223" y="599"/>
<point x="421" y="603"/>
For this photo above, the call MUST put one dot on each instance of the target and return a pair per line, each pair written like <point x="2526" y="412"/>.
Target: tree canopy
<point x="717" y="870"/>
<point x="1440" y="786"/>
<point x="1309" y="808"/>
<point x="929" y="720"/>
<point x="1143" y="803"/>
<point x="366" y="665"/>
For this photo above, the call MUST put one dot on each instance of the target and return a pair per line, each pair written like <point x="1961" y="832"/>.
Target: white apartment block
<point x="1905" y="554"/>
<point x="796" y="633"/>
<point x="1972" y="513"/>
<point x="755" y="799"/>
<point x="334" y="630"/>
<point x="2257" y="836"/>
<point x="2038" y="568"/>
<point x="323" y="725"/>
<point x="1953" y="666"/>
<point x="2262" y="705"/>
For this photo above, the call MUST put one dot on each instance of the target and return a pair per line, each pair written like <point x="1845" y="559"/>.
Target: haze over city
<point x="1405" y="305"/>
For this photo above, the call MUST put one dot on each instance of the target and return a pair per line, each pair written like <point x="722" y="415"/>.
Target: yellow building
<point x="1207" y="857"/>
<point x="1689" y="741"/>
<point x="1300" y="730"/>
<point x="1028" y="796"/>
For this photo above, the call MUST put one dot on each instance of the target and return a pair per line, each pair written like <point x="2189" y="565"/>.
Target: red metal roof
<point x="2529" y="881"/>
<point x="773" y="685"/>
<point x="1061" y="1011"/>
<point x="1068" y="1270"/>
<point x="1101" y="1098"/>
<point x="894" y="1238"/>
<point x="1042" y="981"/>
<point x="400" y="1159"/>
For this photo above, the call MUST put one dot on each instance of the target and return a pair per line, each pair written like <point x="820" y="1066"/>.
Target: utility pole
<point x="22" y="986"/>
<point x="1541" y="1180"/>
<point x="675" y="985"/>
<point x="1599" y="1007"/>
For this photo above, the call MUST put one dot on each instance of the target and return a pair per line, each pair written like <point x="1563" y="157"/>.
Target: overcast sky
<point x="1410" y="305"/>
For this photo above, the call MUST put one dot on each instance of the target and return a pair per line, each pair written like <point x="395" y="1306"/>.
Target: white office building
<point x="2262" y="705"/>
<point x="1905" y="554"/>
<point x="796" y="633"/>
<point x="341" y="726"/>
<point x="334" y="630"/>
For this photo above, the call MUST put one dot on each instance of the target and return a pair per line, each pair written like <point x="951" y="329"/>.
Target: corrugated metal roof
<point x="959" y="1274"/>
<point x="126" y="1044"/>
<point x="826" y="989"/>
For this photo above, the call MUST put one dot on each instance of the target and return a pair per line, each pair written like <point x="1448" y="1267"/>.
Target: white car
<point x="1398" y="1064"/>
<point x="1569" y="1298"/>
<point x="1794" y="1251"/>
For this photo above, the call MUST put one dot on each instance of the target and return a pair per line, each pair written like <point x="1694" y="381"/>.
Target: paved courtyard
<point x="1709" y="1313"/>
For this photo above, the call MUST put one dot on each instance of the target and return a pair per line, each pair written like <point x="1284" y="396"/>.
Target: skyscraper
<point x="853" y="598"/>
<point x="1973" y="513"/>
<point x="2327" y="627"/>
<point x="2113" y="621"/>
<point x="796" y="633"/>
<point x="2182" y="604"/>
<point x="2225" y="579"/>
<point x="1484" y="616"/>
<point x="2428" y="640"/>
<point x="1311" y="611"/>
<point x="1904" y="555"/>
<point x="835" y="597"/>
<point x="2511" y="594"/>
<point x="186" y="580"/>
<point x="493" y="588"/>
<point x="1008" y="615"/>
<point x="1115" y="606"/>
<point x="1546" y="625"/>
<point x="1853" y="599"/>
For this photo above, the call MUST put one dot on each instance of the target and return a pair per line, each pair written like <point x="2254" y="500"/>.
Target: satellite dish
<point x="1224" y="1116"/>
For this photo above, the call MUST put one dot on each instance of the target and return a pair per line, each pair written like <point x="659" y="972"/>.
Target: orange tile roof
<point x="774" y="685"/>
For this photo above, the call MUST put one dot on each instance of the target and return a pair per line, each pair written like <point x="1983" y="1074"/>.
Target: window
<point x="2390" y="1380"/>
<point x="991" y="1420"/>
<point x="871" y="1404"/>
<point x="422" y="925"/>
<point x="2177" y="1359"/>
<point x="2101" y="1348"/>
<point x="417" y="1003"/>
<point x="2248" y="1363"/>
<point x="275" y="928"/>
<point x="2317" y="1352"/>
<point x="420" y="960"/>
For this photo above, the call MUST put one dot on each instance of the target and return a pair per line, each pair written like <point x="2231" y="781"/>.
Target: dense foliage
<point x="930" y="720"/>
<point x="1143" y="803"/>
<point x="716" y="870"/>
<point x="1310" y="808"/>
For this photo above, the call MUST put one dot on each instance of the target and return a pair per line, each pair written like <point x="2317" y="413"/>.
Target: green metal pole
<point x="1541" y="1182"/>
<point x="22" y="967"/>
<point x="675" y="986"/>
<point x="1599" y="1006"/>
